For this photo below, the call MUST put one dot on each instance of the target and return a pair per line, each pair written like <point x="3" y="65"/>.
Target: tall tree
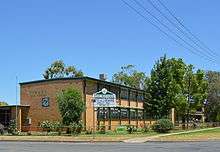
<point x="59" y="70"/>
<point x="195" y="91"/>
<point x="131" y="77"/>
<point x="212" y="108"/>
<point x="165" y="85"/>
<point x="173" y="84"/>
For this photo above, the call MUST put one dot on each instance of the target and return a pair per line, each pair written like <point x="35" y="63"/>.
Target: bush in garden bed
<point x="12" y="129"/>
<point x="163" y="126"/>
<point x="46" y="125"/>
<point x="76" y="128"/>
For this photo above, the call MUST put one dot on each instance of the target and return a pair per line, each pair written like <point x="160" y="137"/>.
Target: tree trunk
<point x="183" y="122"/>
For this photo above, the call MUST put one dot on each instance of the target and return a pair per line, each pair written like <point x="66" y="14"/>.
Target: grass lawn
<point x="195" y="136"/>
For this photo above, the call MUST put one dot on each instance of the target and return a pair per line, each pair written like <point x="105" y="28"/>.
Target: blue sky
<point x="97" y="36"/>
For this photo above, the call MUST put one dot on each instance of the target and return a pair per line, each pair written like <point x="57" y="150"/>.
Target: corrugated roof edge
<point x="79" y="78"/>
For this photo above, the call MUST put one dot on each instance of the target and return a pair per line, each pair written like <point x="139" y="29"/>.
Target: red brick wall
<point x="32" y="94"/>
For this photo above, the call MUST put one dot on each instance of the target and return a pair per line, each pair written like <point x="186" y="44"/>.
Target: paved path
<point x="110" y="147"/>
<point x="145" y="139"/>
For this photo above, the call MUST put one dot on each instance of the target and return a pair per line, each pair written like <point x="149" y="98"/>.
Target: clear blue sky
<point x="97" y="36"/>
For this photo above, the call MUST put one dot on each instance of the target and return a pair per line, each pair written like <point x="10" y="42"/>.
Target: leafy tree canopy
<point x="213" y="101"/>
<point x="59" y="70"/>
<point x="129" y="76"/>
<point x="2" y="103"/>
<point x="70" y="105"/>
<point x="170" y="85"/>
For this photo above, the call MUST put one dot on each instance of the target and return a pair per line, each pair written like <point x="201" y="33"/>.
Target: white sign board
<point x="104" y="98"/>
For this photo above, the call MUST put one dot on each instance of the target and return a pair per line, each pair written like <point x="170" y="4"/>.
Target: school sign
<point x="104" y="98"/>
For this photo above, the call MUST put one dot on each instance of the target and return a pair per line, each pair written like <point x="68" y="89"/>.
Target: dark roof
<point x="15" y="106"/>
<point x="80" y="78"/>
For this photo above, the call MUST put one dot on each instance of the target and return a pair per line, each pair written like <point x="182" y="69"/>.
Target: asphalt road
<point x="110" y="147"/>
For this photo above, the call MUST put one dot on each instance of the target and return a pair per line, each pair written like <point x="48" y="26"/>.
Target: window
<point x="115" y="91"/>
<point x="140" y="114"/>
<point x="133" y="113"/>
<point x="124" y="94"/>
<point x="102" y="113"/>
<point x="140" y="97"/>
<point x="124" y="113"/>
<point x="133" y="96"/>
<point x="115" y="113"/>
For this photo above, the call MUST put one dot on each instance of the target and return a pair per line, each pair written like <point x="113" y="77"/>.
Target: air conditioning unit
<point x="103" y="77"/>
<point x="29" y="121"/>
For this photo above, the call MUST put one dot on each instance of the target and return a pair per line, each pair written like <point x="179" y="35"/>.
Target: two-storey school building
<point x="38" y="103"/>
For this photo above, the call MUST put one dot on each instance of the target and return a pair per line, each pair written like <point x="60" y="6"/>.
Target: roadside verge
<point x="164" y="137"/>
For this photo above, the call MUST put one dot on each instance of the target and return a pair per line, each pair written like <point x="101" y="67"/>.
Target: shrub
<point x="163" y="126"/>
<point x="130" y="129"/>
<point x="102" y="129"/>
<point x="1" y="129"/>
<point x="46" y="125"/>
<point x="76" y="128"/>
<point x="57" y="127"/>
<point x="89" y="131"/>
<point x="146" y="128"/>
<point x="12" y="129"/>
<point x="29" y="133"/>
<point x="121" y="129"/>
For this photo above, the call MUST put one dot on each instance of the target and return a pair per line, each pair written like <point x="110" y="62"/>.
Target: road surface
<point x="110" y="147"/>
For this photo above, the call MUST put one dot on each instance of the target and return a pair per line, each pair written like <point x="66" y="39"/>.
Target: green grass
<point x="213" y="134"/>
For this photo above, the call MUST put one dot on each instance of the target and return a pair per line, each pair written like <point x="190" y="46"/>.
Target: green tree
<point x="2" y="103"/>
<point x="195" y="91"/>
<point x="70" y="105"/>
<point x="212" y="108"/>
<point x="59" y="70"/>
<point x="129" y="76"/>
<point x="165" y="86"/>
<point x="173" y="84"/>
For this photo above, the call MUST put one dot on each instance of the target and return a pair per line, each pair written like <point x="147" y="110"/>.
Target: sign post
<point x="102" y="99"/>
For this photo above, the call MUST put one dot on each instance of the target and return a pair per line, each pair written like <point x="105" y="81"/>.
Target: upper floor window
<point x="140" y="96"/>
<point x="133" y="96"/>
<point x="124" y="94"/>
<point x="115" y="91"/>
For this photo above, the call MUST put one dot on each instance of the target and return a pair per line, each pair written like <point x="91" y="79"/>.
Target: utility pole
<point x="16" y="102"/>
<point x="189" y="102"/>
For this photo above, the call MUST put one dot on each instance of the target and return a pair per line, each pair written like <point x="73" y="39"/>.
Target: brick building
<point x="38" y="103"/>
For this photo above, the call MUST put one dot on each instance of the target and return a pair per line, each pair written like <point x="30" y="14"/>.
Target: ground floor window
<point x="118" y="113"/>
<point x="140" y="114"/>
<point x="124" y="113"/>
<point x="133" y="114"/>
<point x="103" y="113"/>
<point x="115" y="113"/>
